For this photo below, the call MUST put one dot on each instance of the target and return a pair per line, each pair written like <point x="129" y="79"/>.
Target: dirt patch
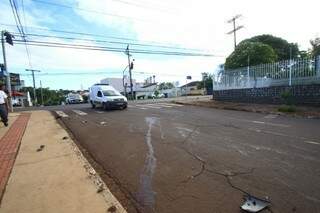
<point x="301" y="111"/>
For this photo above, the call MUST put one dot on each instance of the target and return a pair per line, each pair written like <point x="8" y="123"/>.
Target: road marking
<point x="271" y="124"/>
<point x="79" y="112"/>
<point x="312" y="142"/>
<point x="99" y="112"/>
<point x="62" y="114"/>
<point x="148" y="106"/>
<point x="162" y="105"/>
<point x="172" y="104"/>
<point x="271" y="116"/>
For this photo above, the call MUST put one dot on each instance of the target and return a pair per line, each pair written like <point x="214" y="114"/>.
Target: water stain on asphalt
<point x="146" y="195"/>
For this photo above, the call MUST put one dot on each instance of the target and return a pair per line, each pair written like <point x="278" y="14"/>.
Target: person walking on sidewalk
<point x="4" y="107"/>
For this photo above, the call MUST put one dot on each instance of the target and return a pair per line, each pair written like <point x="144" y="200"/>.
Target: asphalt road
<point x="174" y="158"/>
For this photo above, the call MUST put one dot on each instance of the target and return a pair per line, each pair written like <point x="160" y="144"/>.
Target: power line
<point x="112" y="42"/>
<point x="19" y="26"/>
<point x="100" y="73"/>
<point x="111" y="49"/>
<point x="87" y="34"/>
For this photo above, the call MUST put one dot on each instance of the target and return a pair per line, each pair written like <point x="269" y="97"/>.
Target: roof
<point x="149" y="85"/>
<point x="16" y="94"/>
<point x="191" y="84"/>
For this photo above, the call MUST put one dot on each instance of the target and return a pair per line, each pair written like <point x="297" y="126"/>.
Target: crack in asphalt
<point x="204" y="165"/>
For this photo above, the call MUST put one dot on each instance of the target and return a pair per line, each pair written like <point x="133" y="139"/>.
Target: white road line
<point x="99" y="112"/>
<point x="164" y="105"/>
<point x="271" y="116"/>
<point x="148" y="106"/>
<point x="62" y="114"/>
<point x="271" y="124"/>
<point x="312" y="142"/>
<point x="79" y="112"/>
<point x="159" y="105"/>
<point x="172" y="104"/>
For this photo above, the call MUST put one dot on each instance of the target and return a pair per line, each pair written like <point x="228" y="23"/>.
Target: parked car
<point x="74" y="98"/>
<point x="107" y="97"/>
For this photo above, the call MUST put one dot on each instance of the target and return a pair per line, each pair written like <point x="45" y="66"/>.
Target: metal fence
<point x="283" y="73"/>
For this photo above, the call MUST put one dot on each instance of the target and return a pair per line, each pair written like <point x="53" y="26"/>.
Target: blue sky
<point x="200" y="24"/>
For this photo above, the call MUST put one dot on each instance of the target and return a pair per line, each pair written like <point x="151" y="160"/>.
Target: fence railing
<point x="288" y="72"/>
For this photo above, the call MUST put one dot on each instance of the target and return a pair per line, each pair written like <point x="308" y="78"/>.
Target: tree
<point x="165" y="85"/>
<point x="206" y="81"/>
<point x="252" y="53"/>
<point x="315" y="46"/>
<point x="279" y="45"/>
<point x="50" y="97"/>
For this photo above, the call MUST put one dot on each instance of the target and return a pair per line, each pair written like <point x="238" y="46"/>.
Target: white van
<point x="107" y="97"/>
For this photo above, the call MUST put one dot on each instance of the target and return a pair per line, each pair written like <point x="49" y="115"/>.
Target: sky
<point x="193" y="24"/>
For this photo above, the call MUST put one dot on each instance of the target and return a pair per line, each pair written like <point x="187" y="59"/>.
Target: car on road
<point x="74" y="98"/>
<point x="107" y="97"/>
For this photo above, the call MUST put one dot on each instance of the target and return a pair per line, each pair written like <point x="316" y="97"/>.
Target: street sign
<point x="189" y="77"/>
<point x="15" y="79"/>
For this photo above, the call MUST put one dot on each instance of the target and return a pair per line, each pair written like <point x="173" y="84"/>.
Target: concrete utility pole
<point x="130" y="68"/>
<point x="123" y="83"/>
<point x="34" y="85"/>
<point x="7" y="74"/>
<point x="235" y="29"/>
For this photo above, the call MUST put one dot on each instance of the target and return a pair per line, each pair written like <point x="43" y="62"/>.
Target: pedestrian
<point x="4" y="106"/>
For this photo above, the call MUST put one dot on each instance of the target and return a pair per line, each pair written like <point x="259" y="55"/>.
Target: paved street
<point x="165" y="157"/>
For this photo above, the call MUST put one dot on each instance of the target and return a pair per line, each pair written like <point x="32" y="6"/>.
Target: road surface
<point x="165" y="157"/>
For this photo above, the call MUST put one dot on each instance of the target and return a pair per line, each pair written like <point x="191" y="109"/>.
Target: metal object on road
<point x="254" y="204"/>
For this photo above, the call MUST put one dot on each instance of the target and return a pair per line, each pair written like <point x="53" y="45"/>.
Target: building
<point x="144" y="91"/>
<point x="191" y="89"/>
<point x="120" y="84"/>
<point x="20" y="99"/>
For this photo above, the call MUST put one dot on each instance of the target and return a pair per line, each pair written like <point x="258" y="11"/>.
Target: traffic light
<point x="131" y="66"/>
<point x="8" y="37"/>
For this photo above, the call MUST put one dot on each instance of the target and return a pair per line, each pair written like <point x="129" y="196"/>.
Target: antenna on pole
<point x="235" y="28"/>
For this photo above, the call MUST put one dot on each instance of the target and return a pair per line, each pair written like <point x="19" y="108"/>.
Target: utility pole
<point x="34" y="85"/>
<point x="41" y="93"/>
<point x="123" y="83"/>
<point x="235" y="29"/>
<point x="130" y="66"/>
<point x="6" y="73"/>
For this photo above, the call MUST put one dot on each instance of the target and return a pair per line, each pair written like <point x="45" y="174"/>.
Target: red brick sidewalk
<point x="9" y="146"/>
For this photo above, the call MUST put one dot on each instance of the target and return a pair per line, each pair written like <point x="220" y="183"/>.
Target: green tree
<point x="252" y="53"/>
<point x="50" y="97"/>
<point x="206" y="81"/>
<point x="281" y="47"/>
<point x="315" y="46"/>
<point x="165" y="85"/>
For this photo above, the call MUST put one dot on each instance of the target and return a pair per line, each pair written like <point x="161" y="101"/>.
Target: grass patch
<point x="287" y="108"/>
